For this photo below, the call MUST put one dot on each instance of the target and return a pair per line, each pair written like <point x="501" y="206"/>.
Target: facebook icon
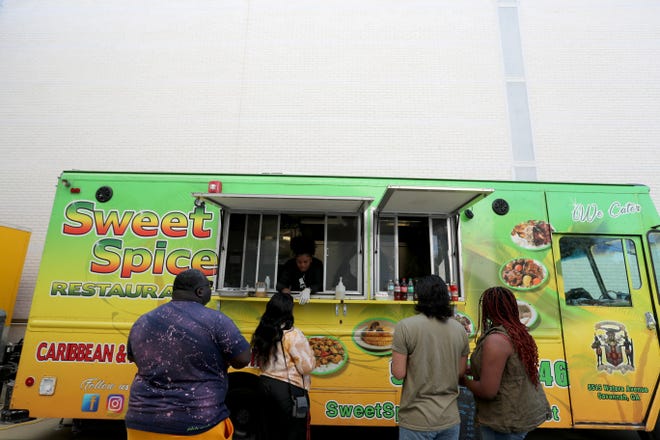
<point x="90" y="402"/>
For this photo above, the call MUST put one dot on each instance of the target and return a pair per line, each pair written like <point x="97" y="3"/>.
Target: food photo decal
<point x="527" y="313"/>
<point x="466" y="322"/>
<point x="532" y="234"/>
<point x="374" y="336"/>
<point x="523" y="273"/>
<point x="377" y="335"/>
<point x="330" y="354"/>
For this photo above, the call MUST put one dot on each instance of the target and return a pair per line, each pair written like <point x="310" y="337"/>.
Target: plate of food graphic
<point x="532" y="234"/>
<point x="527" y="313"/>
<point x="330" y="354"/>
<point x="523" y="273"/>
<point x="467" y="323"/>
<point x="375" y="336"/>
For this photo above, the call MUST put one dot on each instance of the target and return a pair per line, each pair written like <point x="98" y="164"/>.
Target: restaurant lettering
<point x="81" y="352"/>
<point x="375" y="411"/>
<point x="590" y="212"/>
<point x="111" y="255"/>
<point x="92" y="384"/>
<point x="109" y="290"/>
<point x="617" y="392"/>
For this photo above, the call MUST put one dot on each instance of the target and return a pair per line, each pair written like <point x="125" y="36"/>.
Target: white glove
<point x="304" y="296"/>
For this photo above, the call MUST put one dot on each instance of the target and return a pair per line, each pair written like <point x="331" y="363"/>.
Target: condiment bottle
<point x="453" y="292"/>
<point x="404" y="290"/>
<point x="340" y="290"/>
<point x="397" y="290"/>
<point x="260" y="289"/>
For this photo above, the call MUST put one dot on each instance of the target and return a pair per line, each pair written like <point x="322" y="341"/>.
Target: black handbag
<point x="300" y="407"/>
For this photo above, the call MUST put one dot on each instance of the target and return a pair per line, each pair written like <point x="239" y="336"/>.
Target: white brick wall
<point x="345" y="87"/>
<point x="593" y="70"/>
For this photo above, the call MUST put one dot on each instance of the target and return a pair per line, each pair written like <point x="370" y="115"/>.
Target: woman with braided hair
<point x="509" y="398"/>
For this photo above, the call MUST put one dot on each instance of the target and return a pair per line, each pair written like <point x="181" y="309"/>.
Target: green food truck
<point x="582" y="259"/>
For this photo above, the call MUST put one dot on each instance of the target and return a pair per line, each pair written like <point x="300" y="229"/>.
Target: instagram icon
<point x="115" y="403"/>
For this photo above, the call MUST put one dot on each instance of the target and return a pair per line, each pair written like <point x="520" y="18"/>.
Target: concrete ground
<point x="56" y="429"/>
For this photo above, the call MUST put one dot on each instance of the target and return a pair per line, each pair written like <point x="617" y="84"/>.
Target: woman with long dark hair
<point x="285" y="358"/>
<point x="509" y="398"/>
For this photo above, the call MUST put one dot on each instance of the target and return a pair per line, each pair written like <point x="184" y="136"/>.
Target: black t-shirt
<point x="292" y="278"/>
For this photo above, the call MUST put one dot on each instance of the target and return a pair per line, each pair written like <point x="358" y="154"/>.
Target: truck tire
<point x="244" y="403"/>
<point x="651" y="435"/>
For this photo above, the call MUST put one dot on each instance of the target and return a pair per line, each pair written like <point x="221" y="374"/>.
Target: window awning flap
<point x="286" y="203"/>
<point x="422" y="200"/>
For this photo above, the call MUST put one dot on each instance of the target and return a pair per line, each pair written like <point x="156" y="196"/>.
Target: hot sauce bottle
<point x="453" y="292"/>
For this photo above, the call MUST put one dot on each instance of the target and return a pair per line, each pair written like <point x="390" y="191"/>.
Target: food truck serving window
<point x="418" y="232"/>
<point x="257" y="232"/>
<point x="599" y="271"/>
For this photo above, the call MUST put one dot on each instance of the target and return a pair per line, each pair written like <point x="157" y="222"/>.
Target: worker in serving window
<point x="303" y="273"/>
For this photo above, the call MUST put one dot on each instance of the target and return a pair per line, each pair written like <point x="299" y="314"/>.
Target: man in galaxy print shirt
<point x="182" y="350"/>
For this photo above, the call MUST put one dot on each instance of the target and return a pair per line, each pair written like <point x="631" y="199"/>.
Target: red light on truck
<point x="215" y="186"/>
<point x="75" y="190"/>
<point x="29" y="381"/>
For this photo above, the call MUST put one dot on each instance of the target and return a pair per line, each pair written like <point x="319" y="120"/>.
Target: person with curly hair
<point x="282" y="353"/>
<point x="303" y="273"/>
<point x="429" y="352"/>
<point x="509" y="398"/>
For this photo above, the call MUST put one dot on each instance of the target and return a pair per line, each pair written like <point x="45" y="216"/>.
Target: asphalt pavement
<point x="56" y="429"/>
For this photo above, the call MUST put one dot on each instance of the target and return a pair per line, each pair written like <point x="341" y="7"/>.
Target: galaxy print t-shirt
<point x="182" y="350"/>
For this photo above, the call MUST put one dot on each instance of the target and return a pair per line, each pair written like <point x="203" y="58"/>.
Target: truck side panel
<point x="105" y="262"/>
<point x="115" y="242"/>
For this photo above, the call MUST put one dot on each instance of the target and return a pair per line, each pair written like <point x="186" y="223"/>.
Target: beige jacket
<point x="297" y="362"/>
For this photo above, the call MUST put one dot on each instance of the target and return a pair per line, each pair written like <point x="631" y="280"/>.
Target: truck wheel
<point x="244" y="400"/>
<point x="651" y="435"/>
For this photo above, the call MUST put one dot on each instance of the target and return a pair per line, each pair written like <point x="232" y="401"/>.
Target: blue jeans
<point x="489" y="434"/>
<point x="450" y="433"/>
